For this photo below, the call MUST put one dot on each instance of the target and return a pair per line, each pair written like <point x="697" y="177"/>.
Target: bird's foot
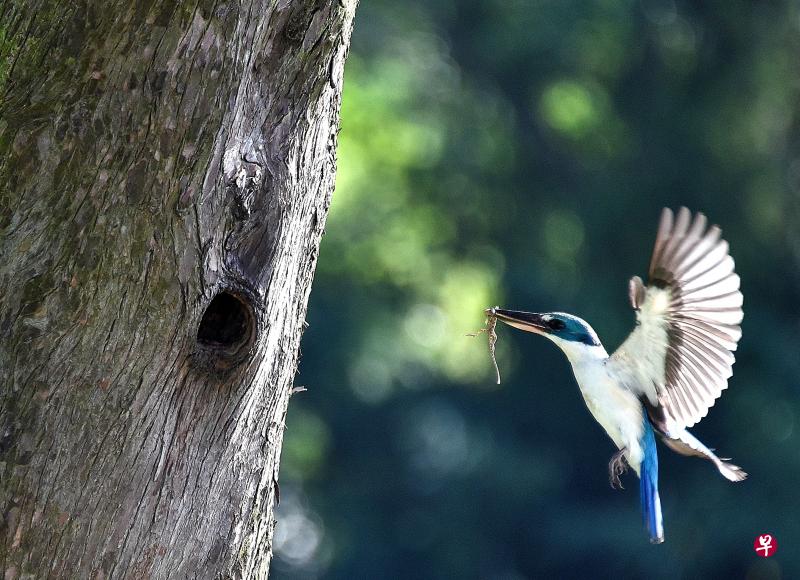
<point x="616" y="467"/>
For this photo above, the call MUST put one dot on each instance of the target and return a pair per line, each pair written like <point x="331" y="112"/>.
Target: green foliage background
<point x="518" y="153"/>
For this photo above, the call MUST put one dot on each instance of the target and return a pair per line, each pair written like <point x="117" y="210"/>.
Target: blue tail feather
<point x="648" y="486"/>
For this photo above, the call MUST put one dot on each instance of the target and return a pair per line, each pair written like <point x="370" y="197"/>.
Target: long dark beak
<point x="528" y="321"/>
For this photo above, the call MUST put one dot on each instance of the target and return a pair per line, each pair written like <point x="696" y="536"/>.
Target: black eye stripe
<point x="555" y="324"/>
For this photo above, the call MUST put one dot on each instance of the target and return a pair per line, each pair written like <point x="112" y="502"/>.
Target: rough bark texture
<point x="154" y="154"/>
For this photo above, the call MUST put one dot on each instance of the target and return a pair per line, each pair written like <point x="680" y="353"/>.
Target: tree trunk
<point x="165" y="174"/>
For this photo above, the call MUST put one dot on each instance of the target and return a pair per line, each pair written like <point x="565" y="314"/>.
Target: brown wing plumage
<point x="681" y="353"/>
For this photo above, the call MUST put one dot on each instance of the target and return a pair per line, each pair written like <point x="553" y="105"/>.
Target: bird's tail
<point x="648" y="486"/>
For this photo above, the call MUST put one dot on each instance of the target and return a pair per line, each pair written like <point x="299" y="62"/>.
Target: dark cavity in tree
<point x="227" y="322"/>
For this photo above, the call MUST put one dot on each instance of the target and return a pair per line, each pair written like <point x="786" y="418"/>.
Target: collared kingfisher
<point x="672" y="367"/>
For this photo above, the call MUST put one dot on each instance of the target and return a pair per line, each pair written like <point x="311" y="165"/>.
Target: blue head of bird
<point x="573" y="335"/>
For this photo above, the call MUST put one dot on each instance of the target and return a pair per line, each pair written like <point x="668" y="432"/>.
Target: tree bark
<point x="165" y="174"/>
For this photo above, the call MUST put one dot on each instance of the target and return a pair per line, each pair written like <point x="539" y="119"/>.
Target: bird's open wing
<point x="681" y="352"/>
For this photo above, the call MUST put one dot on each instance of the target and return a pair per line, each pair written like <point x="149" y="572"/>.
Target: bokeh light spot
<point x="572" y="108"/>
<point x="563" y="235"/>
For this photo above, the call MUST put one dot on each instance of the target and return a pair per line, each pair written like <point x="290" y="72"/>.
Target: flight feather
<point x="681" y="352"/>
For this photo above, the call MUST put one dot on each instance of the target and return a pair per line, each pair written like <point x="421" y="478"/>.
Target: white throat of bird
<point x="579" y="353"/>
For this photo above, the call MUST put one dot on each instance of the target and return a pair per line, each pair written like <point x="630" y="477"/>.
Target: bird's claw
<point x="616" y="467"/>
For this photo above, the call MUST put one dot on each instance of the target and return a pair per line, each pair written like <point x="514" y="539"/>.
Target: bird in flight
<point x="671" y="368"/>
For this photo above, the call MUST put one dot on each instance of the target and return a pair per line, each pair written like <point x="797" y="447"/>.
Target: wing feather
<point x="680" y="354"/>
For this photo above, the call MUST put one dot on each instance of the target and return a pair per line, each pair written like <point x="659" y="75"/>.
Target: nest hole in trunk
<point x="227" y="324"/>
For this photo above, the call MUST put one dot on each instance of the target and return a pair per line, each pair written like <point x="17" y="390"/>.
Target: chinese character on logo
<point x="765" y="545"/>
